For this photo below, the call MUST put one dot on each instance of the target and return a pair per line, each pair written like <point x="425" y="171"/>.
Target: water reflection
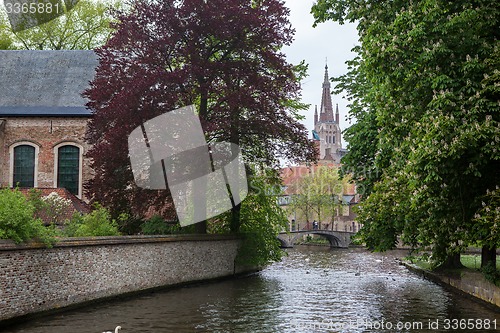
<point x="311" y="290"/>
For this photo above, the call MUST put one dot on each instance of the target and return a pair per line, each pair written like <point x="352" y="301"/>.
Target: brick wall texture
<point x="38" y="279"/>
<point x="46" y="133"/>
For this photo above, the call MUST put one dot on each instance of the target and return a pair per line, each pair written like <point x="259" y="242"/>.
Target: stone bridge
<point x="340" y="239"/>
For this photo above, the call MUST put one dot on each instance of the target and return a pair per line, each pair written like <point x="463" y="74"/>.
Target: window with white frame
<point x="23" y="164"/>
<point x="68" y="167"/>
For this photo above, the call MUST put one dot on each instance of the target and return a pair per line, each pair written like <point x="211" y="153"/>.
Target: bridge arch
<point x="334" y="241"/>
<point x="283" y="243"/>
<point x="335" y="238"/>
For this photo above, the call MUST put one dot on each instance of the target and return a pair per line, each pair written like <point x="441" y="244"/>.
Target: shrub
<point x="129" y="224"/>
<point x="51" y="209"/>
<point x="491" y="273"/>
<point x="158" y="226"/>
<point x="262" y="219"/>
<point x="97" y="223"/>
<point x="17" y="221"/>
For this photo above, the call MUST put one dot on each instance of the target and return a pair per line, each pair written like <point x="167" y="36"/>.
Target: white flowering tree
<point x="424" y="89"/>
<point x="55" y="208"/>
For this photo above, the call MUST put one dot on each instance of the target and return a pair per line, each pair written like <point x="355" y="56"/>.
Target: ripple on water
<point x="309" y="287"/>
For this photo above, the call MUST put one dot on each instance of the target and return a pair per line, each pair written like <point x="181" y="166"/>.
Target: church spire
<point x="326" y="109"/>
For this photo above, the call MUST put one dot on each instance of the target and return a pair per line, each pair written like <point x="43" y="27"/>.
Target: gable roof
<point x="45" y="83"/>
<point x="75" y="204"/>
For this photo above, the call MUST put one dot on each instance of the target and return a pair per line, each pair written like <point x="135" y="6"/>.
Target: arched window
<point x="24" y="162"/>
<point x="68" y="168"/>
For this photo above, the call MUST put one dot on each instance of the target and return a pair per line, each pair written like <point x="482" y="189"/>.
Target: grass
<point x="472" y="261"/>
<point x="420" y="262"/>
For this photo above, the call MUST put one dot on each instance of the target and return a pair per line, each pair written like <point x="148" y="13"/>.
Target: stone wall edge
<point x="489" y="298"/>
<point x="37" y="280"/>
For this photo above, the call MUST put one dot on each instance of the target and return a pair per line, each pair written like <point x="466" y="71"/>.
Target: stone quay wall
<point x="470" y="283"/>
<point x="36" y="279"/>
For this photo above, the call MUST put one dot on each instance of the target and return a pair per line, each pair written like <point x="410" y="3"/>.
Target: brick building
<point x="43" y="119"/>
<point x="342" y="220"/>
<point x="327" y="137"/>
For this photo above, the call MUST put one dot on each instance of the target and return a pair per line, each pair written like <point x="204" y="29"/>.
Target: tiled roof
<point x="49" y="78"/>
<point x="76" y="204"/>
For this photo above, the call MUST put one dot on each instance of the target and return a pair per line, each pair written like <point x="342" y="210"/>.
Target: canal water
<point x="314" y="289"/>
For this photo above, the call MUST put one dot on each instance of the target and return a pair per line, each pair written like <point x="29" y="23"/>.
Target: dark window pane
<point x="68" y="168"/>
<point x="24" y="166"/>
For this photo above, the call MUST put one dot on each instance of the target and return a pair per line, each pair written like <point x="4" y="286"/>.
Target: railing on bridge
<point x="335" y="237"/>
<point x="311" y="226"/>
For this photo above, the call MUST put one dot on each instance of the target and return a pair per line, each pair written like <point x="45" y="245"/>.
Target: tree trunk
<point x="201" y="227"/>
<point x="488" y="255"/>
<point x="235" y="218"/>
<point x="235" y="139"/>
<point x="453" y="261"/>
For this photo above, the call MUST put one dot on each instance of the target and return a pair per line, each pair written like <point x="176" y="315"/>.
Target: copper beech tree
<point x="222" y="56"/>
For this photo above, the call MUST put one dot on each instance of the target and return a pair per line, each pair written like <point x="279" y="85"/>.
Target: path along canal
<point x="314" y="289"/>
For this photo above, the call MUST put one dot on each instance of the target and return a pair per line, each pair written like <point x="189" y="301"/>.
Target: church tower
<point x="326" y="126"/>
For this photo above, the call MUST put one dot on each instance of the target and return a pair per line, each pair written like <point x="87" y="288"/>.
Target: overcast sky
<point x="314" y="45"/>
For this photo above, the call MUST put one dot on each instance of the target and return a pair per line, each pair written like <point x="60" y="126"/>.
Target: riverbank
<point x="466" y="281"/>
<point x="35" y="279"/>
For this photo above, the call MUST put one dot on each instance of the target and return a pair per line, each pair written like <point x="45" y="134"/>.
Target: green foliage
<point x="6" y="42"/>
<point x="97" y="223"/>
<point x="262" y="220"/>
<point x="424" y="89"/>
<point x="86" y="26"/>
<point x="155" y="226"/>
<point x="421" y="261"/>
<point x="129" y="224"/>
<point x="17" y="221"/>
<point x="319" y="194"/>
<point x="71" y="226"/>
<point x="158" y="226"/>
<point x="486" y="227"/>
<point x="471" y="261"/>
<point x="491" y="273"/>
<point x="295" y="105"/>
<point x="51" y="209"/>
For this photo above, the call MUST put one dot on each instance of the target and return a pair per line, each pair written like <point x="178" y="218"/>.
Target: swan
<point x="116" y="330"/>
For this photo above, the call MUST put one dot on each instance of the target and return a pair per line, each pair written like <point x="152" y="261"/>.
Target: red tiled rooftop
<point x="76" y="204"/>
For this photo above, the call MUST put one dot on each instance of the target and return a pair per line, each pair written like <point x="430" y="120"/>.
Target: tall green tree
<point x="318" y="194"/>
<point x="425" y="91"/>
<point x="86" y="26"/>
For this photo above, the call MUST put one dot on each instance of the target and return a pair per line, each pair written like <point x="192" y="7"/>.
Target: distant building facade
<point x="327" y="136"/>
<point x="43" y="119"/>
<point x="342" y="220"/>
